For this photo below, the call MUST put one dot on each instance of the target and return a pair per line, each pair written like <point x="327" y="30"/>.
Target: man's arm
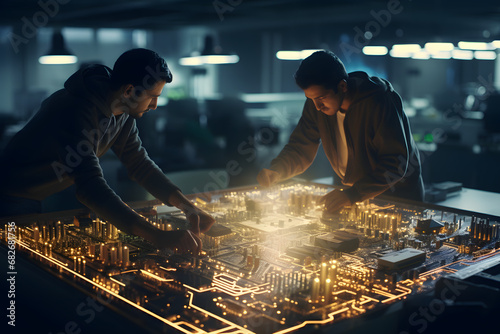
<point x="128" y="148"/>
<point x="300" y="151"/>
<point x="144" y="171"/>
<point x="93" y="191"/>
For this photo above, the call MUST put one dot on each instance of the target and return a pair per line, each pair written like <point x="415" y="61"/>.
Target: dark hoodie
<point x="382" y="156"/>
<point x="61" y="144"/>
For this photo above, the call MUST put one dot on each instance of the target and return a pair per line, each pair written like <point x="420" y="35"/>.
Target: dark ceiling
<point x="417" y="18"/>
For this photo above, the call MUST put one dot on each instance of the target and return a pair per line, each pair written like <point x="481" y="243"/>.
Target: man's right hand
<point x="268" y="177"/>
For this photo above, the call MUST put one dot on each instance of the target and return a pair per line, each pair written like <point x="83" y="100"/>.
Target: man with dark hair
<point x="60" y="146"/>
<point x="364" y="131"/>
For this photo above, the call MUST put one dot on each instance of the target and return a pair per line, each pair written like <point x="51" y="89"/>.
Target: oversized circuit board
<point x="272" y="263"/>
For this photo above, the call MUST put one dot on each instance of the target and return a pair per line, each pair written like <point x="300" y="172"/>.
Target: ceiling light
<point x="485" y="55"/>
<point x="375" y="50"/>
<point x="191" y="61"/>
<point x="406" y="48"/>
<point x="307" y="52"/>
<point x="210" y="55"/>
<point x="58" y="53"/>
<point x="289" y="55"/>
<point x="399" y="54"/>
<point x="474" y="45"/>
<point x="441" y="55"/>
<point x="57" y="60"/>
<point x="220" y="59"/>
<point x="496" y="44"/>
<point x="462" y="54"/>
<point x="434" y="47"/>
<point x="295" y="55"/>
<point x="422" y="54"/>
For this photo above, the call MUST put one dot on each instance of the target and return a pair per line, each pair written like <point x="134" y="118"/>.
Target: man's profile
<point x="61" y="144"/>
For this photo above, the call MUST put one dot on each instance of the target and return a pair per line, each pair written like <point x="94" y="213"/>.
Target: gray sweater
<point x="61" y="144"/>
<point x="382" y="155"/>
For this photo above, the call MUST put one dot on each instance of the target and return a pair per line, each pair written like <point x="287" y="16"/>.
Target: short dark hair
<point x="142" y="68"/>
<point x="322" y="68"/>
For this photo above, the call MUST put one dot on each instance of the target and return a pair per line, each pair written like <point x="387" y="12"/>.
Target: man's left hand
<point x="206" y="221"/>
<point x="334" y="201"/>
<point x="199" y="219"/>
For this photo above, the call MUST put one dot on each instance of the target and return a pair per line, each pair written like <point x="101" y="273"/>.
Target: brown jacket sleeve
<point x="302" y="146"/>
<point x="128" y="147"/>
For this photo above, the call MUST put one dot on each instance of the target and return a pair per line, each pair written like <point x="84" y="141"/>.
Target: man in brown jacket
<point x="364" y="131"/>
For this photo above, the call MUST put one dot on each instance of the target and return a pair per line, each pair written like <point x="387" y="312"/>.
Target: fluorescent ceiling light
<point x="496" y="44"/>
<point x="191" y="61"/>
<point x="209" y="60"/>
<point x="399" y="54"/>
<point x="58" y="53"/>
<point x="485" y="55"/>
<point x="433" y="47"/>
<point x="421" y="55"/>
<point x="406" y="48"/>
<point x="295" y="55"/>
<point x="441" y="55"/>
<point x="307" y="52"/>
<point x="220" y="59"/>
<point x="474" y="45"/>
<point x="375" y="50"/>
<point x="57" y="59"/>
<point x="462" y="54"/>
<point x="289" y="55"/>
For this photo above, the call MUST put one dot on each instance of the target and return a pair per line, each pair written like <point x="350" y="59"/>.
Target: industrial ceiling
<point x="422" y="18"/>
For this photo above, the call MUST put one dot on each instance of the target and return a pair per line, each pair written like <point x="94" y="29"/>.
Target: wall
<point x="10" y="65"/>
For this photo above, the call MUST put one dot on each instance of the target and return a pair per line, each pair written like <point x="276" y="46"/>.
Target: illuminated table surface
<point x="474" y="200"/>
<point x="270" y="265"/>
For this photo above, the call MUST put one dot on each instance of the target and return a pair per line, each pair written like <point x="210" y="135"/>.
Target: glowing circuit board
<point x="271" y="264"/>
